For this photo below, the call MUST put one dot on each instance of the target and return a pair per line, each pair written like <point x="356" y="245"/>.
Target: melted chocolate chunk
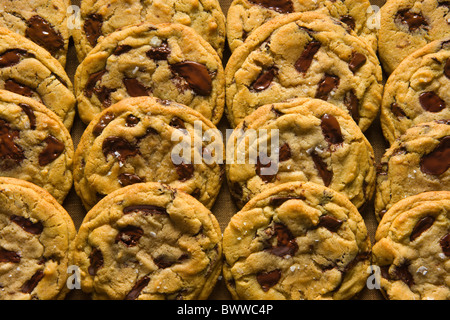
<point x="164" y="261"/>
<point x="30" y="114"/>
<point x="264" y="79"/>
<point x="102" y="123"/>
<point x="268" y="279"/>
<point x="95" y="261"/>
<point x="122" y="49"/>
<point x="413" y="20"/>
<point x="145" y="209"/>
<point x="129" y="235"/>
<point x="43" y="33"/>
<point x="357" y="61"/>
<point x="119" y="148"/>
<point x="185" y="171"/>
<point x="281" y="6"/>
<point x="29" y="285"/>
<point x="352" y="103"/>
<point x="330" y="223"/>
<point x="159" y="53"/>
<point x="11" y="154"/>
<point x="137" y="289"/>
<point x="431" y="102"/>
<point x="349" y="21"/>
<point x="304" y="62"/>
<point x="196" y="75"/>
<point x="447" y="68"/>
<point x="177" y="123"/>
<point x="438" y="161"/>
<point x="278" y="201"/>
<point x="267" y="178"/>
<point x="135" y="88"/>
<point x="331" y="129"/>
<point x="27" y="225"/>
<point x="52" y="151"/>
<point x="397" y="111"/>
<point x="12" y="57"/>
<point x="127" y="179"/>
<point x="13" y="86"/>
<point x="286" y="243"/>
<point x="322" y="168"/>
<point x="93" y="28"/>
<point x="445" y="244"/>
<point x="9" y="256"/>
<point x="402" y="273"/>
<point x="285" y="153"/>
<point x="422" y="225"/>
<point x="89" y="89"/>
<point x="326" y="86"/>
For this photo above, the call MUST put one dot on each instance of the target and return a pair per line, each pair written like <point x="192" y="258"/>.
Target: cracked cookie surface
<point x="317" y="142"/>
<point x="244" y="16"/>
<point x="35" y="236"/>
<point x="412" y="248"/>
<point x="137" y="140"/>
<point x="168" y="61"/>
<point x="296" y="241"/>
<point x="35" y="145"/>
<point x="304" y="55"/>
<point x="416" y="162"/>
<point x="101" y="18"/>
<point x="149" y="242"/>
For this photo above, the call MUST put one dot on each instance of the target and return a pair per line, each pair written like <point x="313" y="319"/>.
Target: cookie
<point x="42" y="21"/>
<point x="137" y="140"/>
<point x="408" y="25"/>
<point x="35" y="237"/>
<point x="412" y="248"/>
<point x="316" y="141"/>
<point x="101" y="18"/>
<point x="149" y="242"/>
<point x="168" y="61"/>
<point x="29" y="70"/>
<point x="417" y="162"/>
<point x="418" y="90"/>
<point x="35" y="145"/>
<point x="244" y="16"/>
<point x="296" y="241"/>
<point x="304" y="55"/>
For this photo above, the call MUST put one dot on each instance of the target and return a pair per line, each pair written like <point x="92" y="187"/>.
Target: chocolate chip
<point x="30" y="114"/>
<point x="104" y="95"/>
<point x="357" y="61"/>
<point x="413" y="20"/>
<point x="93" y="28"/>
<point x="185" y="171"/>
<point x="278" y="201"/>
<point x="145" y="209"/>
<point x="122" y="49"/>
<point x="164" y="261"/>
<point x="11" y="154"/>
<point x="102" y="123"/>
<point x="326" y="86"/>
<point x="431" y="102"/>
<point x="445" y="244"/>
<point x="136" y="88"/>
<point x="26" y="224"/>
<point x="127" y="179"/>
<point x="281" y="6"/>
<point x="159" y="53"/>
<point x="267" y="178"/>
<point x="352" y="103"/>
<point x="14" y="86"/>
<point x="264" y="79"/>
<point x="54" y="148"/>
<point x="29" y="285"/>
<point x="95" y="261"/>
<point x="285" y="153"/>
<point x="397" y="111"/>
<point x="196" y="75"/>
<point x="43" y="33"/>
<point x="447" y="68"/>
<point x="330" y="223"/>
<point x="304" y="62"/>
<point x="349" y="21"/>
<point x="331" y="129"/>
<point x="322" y="168"/>
<point x="422" y="225"/>
<point x="402" y="273"/>
<point x="9" y="256"/>
<point x="119" y="148"/>
<point x="92" y="82"/>
<point x="12" y="57"/>
<point x="131" y="121"/>
<point x="268" y="279"/>
<point x="129" y="235"/>
<point x="438" y="161"/>
<point x="286" y="243"/>
<point x="177" y="123"/>
<point x="137" y="289"/>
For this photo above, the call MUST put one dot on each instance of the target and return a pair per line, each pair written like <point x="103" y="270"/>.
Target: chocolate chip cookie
<point x="316" y="141"/>
<point x="418" y="90"/>
<point x="29" y="70"/>
<point x="408" y="25"/>
<point x="42" y="21"/>
<point x="304" y="55"/>
<point x="101" y="18"/>
<point x="417" y="162"/>
<point x="296" y="241"/>
<point x="34" y="145"/>
<point x="168" y="61"/>
<point x="412" y="248"/>
<point x="147" y="242"/>
<point x="138" y="140"/>
<point x="35" y="237"/>
<point x="244" y="16"/>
